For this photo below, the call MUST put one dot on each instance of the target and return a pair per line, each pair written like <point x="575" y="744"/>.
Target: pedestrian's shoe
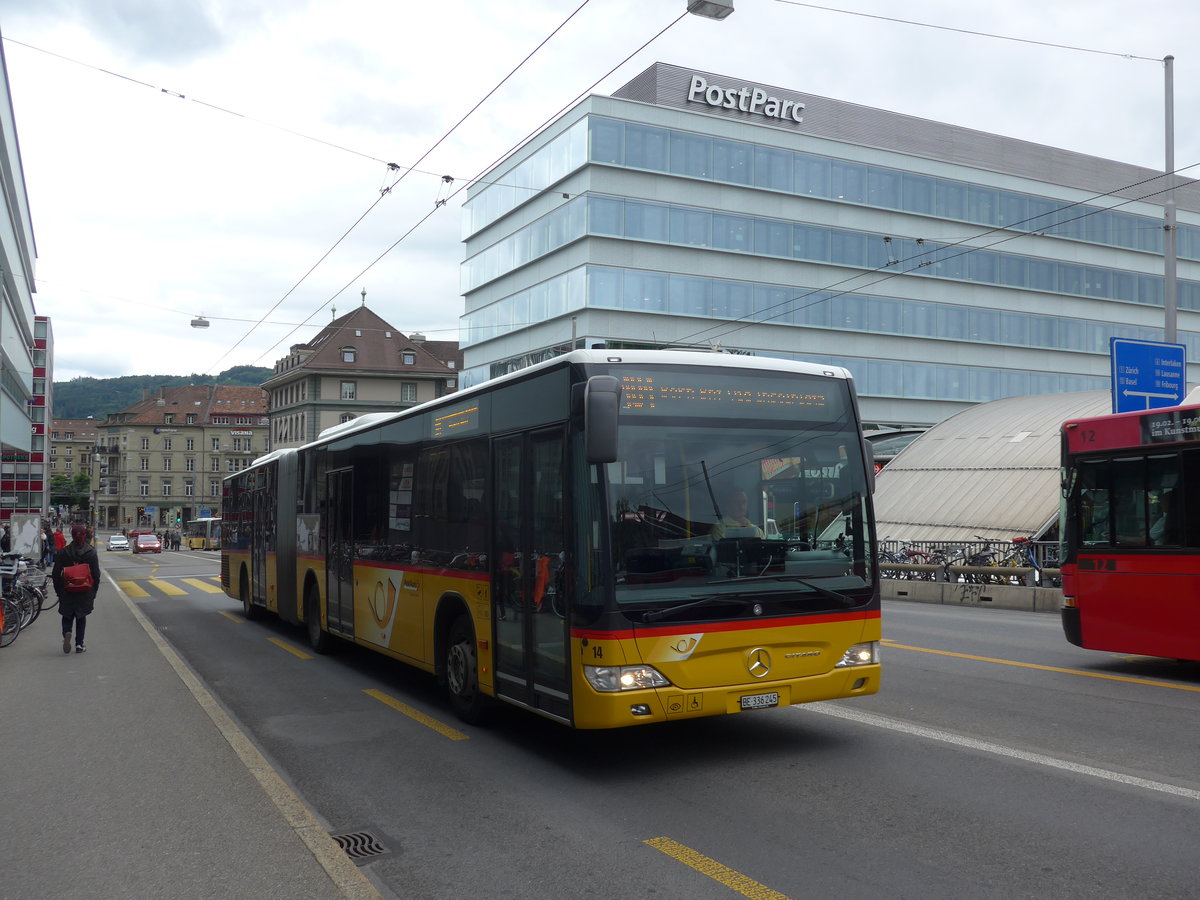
<point x="67" y="642"/>
<point x="79" y="648"/>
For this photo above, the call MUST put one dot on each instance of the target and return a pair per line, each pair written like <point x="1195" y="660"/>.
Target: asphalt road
<point x="997" y="761"/>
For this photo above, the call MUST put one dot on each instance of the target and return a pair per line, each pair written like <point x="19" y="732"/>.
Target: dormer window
<point x="408" y="357"/>
<point x="349" y="354"/>
<point x="168" y="418"/>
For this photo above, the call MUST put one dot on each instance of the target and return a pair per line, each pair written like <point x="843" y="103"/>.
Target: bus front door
<point x="262" y="533"/>
<point x="339" y="553"/>
<point x="528" y="604"/>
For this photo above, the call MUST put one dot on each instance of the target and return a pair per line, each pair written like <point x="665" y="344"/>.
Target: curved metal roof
<point x="991" y="470"/>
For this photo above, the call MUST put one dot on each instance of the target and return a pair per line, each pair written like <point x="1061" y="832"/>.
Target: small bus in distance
<point x="202" y="534"/>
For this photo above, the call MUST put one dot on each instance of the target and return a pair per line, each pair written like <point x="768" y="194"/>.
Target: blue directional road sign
<point x="1146" y="374"/>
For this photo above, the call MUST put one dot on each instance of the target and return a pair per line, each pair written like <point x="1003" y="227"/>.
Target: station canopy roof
<point x="990" y="471"/>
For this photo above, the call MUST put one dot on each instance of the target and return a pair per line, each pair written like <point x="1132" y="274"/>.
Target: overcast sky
<point x="150" y="209"/>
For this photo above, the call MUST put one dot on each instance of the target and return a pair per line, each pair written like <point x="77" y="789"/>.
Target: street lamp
<point x="710" y="9"/>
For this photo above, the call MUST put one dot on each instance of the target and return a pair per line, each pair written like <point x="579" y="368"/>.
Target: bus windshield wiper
<point x="655" y="614"/>
<point x="845" y="599"/>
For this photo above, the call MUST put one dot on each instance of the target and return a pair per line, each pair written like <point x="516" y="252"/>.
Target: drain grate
<point x="360" y="846"/>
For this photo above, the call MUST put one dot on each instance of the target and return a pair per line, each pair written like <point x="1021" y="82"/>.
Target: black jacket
<point x="69" y="603"/>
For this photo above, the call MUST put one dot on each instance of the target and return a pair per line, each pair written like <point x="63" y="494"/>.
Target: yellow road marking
<point x="284" y="645"/>
<point x="440" y="727"/>
<point x="132" y="589"/>
<point x="167" y="588"/>
<point x="1025" y="665"/>
<point x="203" y="585"/>
<point x="735" y="881"/>
<point x="231" y="617"/>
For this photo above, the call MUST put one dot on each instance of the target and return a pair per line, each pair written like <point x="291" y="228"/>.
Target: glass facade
<point x="655" y="149"/>
<point x="640" y="220"/>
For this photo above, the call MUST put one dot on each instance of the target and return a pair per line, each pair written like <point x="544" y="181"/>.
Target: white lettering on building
<point x="746" y="99"/>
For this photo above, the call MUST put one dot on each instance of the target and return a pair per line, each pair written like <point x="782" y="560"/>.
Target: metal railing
<point x="1028" y="563"/>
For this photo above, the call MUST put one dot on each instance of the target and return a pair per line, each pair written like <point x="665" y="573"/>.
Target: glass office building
<point x="942" y="266"/>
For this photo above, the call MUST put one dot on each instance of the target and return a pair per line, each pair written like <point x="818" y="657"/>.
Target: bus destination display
<point x="456" y="421"/>
<point x="724" y="396"/>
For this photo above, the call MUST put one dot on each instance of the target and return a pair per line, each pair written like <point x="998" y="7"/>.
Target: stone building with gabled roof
<point x="357" y="363"/>
<point x="161" y="461"/>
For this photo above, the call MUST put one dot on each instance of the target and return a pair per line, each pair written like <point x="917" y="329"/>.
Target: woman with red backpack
<point x="76" y="577"/>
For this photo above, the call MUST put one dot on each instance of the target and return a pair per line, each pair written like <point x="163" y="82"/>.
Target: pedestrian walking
<point x="76" y="578"/>
<point x="6" y="540"/>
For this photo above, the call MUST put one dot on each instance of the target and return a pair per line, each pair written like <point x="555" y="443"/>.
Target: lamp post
<point x="1170" y="231"/>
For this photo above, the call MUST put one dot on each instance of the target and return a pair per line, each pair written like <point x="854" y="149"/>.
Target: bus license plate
<point x="760" y="701"/>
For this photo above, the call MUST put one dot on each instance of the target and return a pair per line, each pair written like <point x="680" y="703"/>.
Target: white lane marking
<point x="946" y="737"/>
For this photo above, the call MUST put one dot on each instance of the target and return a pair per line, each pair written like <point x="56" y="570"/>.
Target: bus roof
<point x="583" y="357"/>
<point x="1115" y="431"/>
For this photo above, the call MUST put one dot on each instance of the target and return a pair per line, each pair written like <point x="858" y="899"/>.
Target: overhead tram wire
<point x="384" y="192"/>
<point x="473" y="181"/>
<point x="987" y="34"/>
<point x="894" y="273"/>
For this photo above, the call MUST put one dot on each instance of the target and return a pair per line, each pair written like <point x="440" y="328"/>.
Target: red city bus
<point x="1131" y="532"/>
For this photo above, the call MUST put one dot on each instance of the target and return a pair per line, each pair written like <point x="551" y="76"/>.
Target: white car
<point x="118" y="542"/>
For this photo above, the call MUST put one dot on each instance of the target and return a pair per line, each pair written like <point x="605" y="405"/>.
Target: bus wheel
<point x="249" y="610"/>
<point x="318" y="639"/>
<point x="462" y="673"/>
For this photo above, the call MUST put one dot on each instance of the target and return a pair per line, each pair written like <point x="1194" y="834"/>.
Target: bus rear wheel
<point x="461" y="666"/>
<point x="318" y="638"/>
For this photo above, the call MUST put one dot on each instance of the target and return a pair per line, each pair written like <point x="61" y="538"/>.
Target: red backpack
<point x="77" y="579"/>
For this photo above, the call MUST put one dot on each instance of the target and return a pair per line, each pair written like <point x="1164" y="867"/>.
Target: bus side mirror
<point x="869" y="456"/>
<point x="601" y="400"/>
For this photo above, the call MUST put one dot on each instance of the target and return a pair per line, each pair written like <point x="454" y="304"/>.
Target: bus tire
<point x="249" y="610"/>
<point x="319" y="639"/>
<point x="461" y="666"/>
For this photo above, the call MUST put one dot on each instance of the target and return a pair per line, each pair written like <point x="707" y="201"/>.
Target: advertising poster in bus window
<point x="1171" y="427"/>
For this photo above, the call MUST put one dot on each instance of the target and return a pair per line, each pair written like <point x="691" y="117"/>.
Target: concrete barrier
<point x="949" y="593"/>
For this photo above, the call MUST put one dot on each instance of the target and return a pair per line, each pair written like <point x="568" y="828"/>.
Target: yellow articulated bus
<point x="608" y="538"/>
<point x="202" y="534"/>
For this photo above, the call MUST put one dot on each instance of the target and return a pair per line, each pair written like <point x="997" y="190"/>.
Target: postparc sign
<point x="747" y="99"/>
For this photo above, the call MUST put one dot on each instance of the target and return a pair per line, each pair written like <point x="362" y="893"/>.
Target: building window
<point x="189" y="489"/>
<point x="145" y="460"/>
<point x="237" y="445"/>
<point x="348" y="354"/>
<point x="70" y="450"/>
<point x="145" y="443"/>
<point x="67" y="465"/>
<point x="191" y="443"/>
<point x="166" y="443"/>
<point x="144" y="488"/>
<point x="168" y="418"/>
<point x="216" y="464"/>
<point x="191" y="418"/>
<point x="349" y="389"/>
<point x="166" y="464"/>
<point x="408" y="392"/>
<point x="190" y="464"/>
<point x="347" y="417"/>
<point x="409" y="358"/>
<point x="214" y="488"/>
<point x="220" y="420"/>
<point x="216" y="444"/>
<point x="166" y="489"/>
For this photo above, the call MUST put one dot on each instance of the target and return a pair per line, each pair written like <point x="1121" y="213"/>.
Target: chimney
<point x="417" y="338"/>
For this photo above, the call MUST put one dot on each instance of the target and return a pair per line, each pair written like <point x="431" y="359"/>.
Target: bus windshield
<point x="770" y="508"/>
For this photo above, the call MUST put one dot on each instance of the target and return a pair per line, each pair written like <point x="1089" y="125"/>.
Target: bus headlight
<point x="863" y="654"/>
<point x="623" y="678"/>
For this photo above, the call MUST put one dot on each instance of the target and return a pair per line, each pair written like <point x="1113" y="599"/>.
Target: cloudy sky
<point x="204" y="157"/>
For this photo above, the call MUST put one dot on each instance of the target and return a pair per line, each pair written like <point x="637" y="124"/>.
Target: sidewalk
<point x="120" y="776"/>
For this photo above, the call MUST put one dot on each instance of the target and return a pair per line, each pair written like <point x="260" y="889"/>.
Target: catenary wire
<point x="400" y="178"/>
<point x="987" y="34"/>
<point x="471" y="182"/>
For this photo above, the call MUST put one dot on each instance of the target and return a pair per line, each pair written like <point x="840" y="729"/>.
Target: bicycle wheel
<point x="11" y="616"/>
<point x="28" y="606"/>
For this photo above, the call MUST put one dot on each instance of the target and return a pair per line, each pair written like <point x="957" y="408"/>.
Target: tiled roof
<point x="204" y="401"/>
<point x="378" y="347"/>
<point x="83" y="429"/>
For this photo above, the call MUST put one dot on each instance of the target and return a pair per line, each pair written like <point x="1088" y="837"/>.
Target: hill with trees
<point x="97" y="397"/>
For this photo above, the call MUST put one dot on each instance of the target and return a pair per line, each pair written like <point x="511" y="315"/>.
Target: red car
<point x="146" y="543"/>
